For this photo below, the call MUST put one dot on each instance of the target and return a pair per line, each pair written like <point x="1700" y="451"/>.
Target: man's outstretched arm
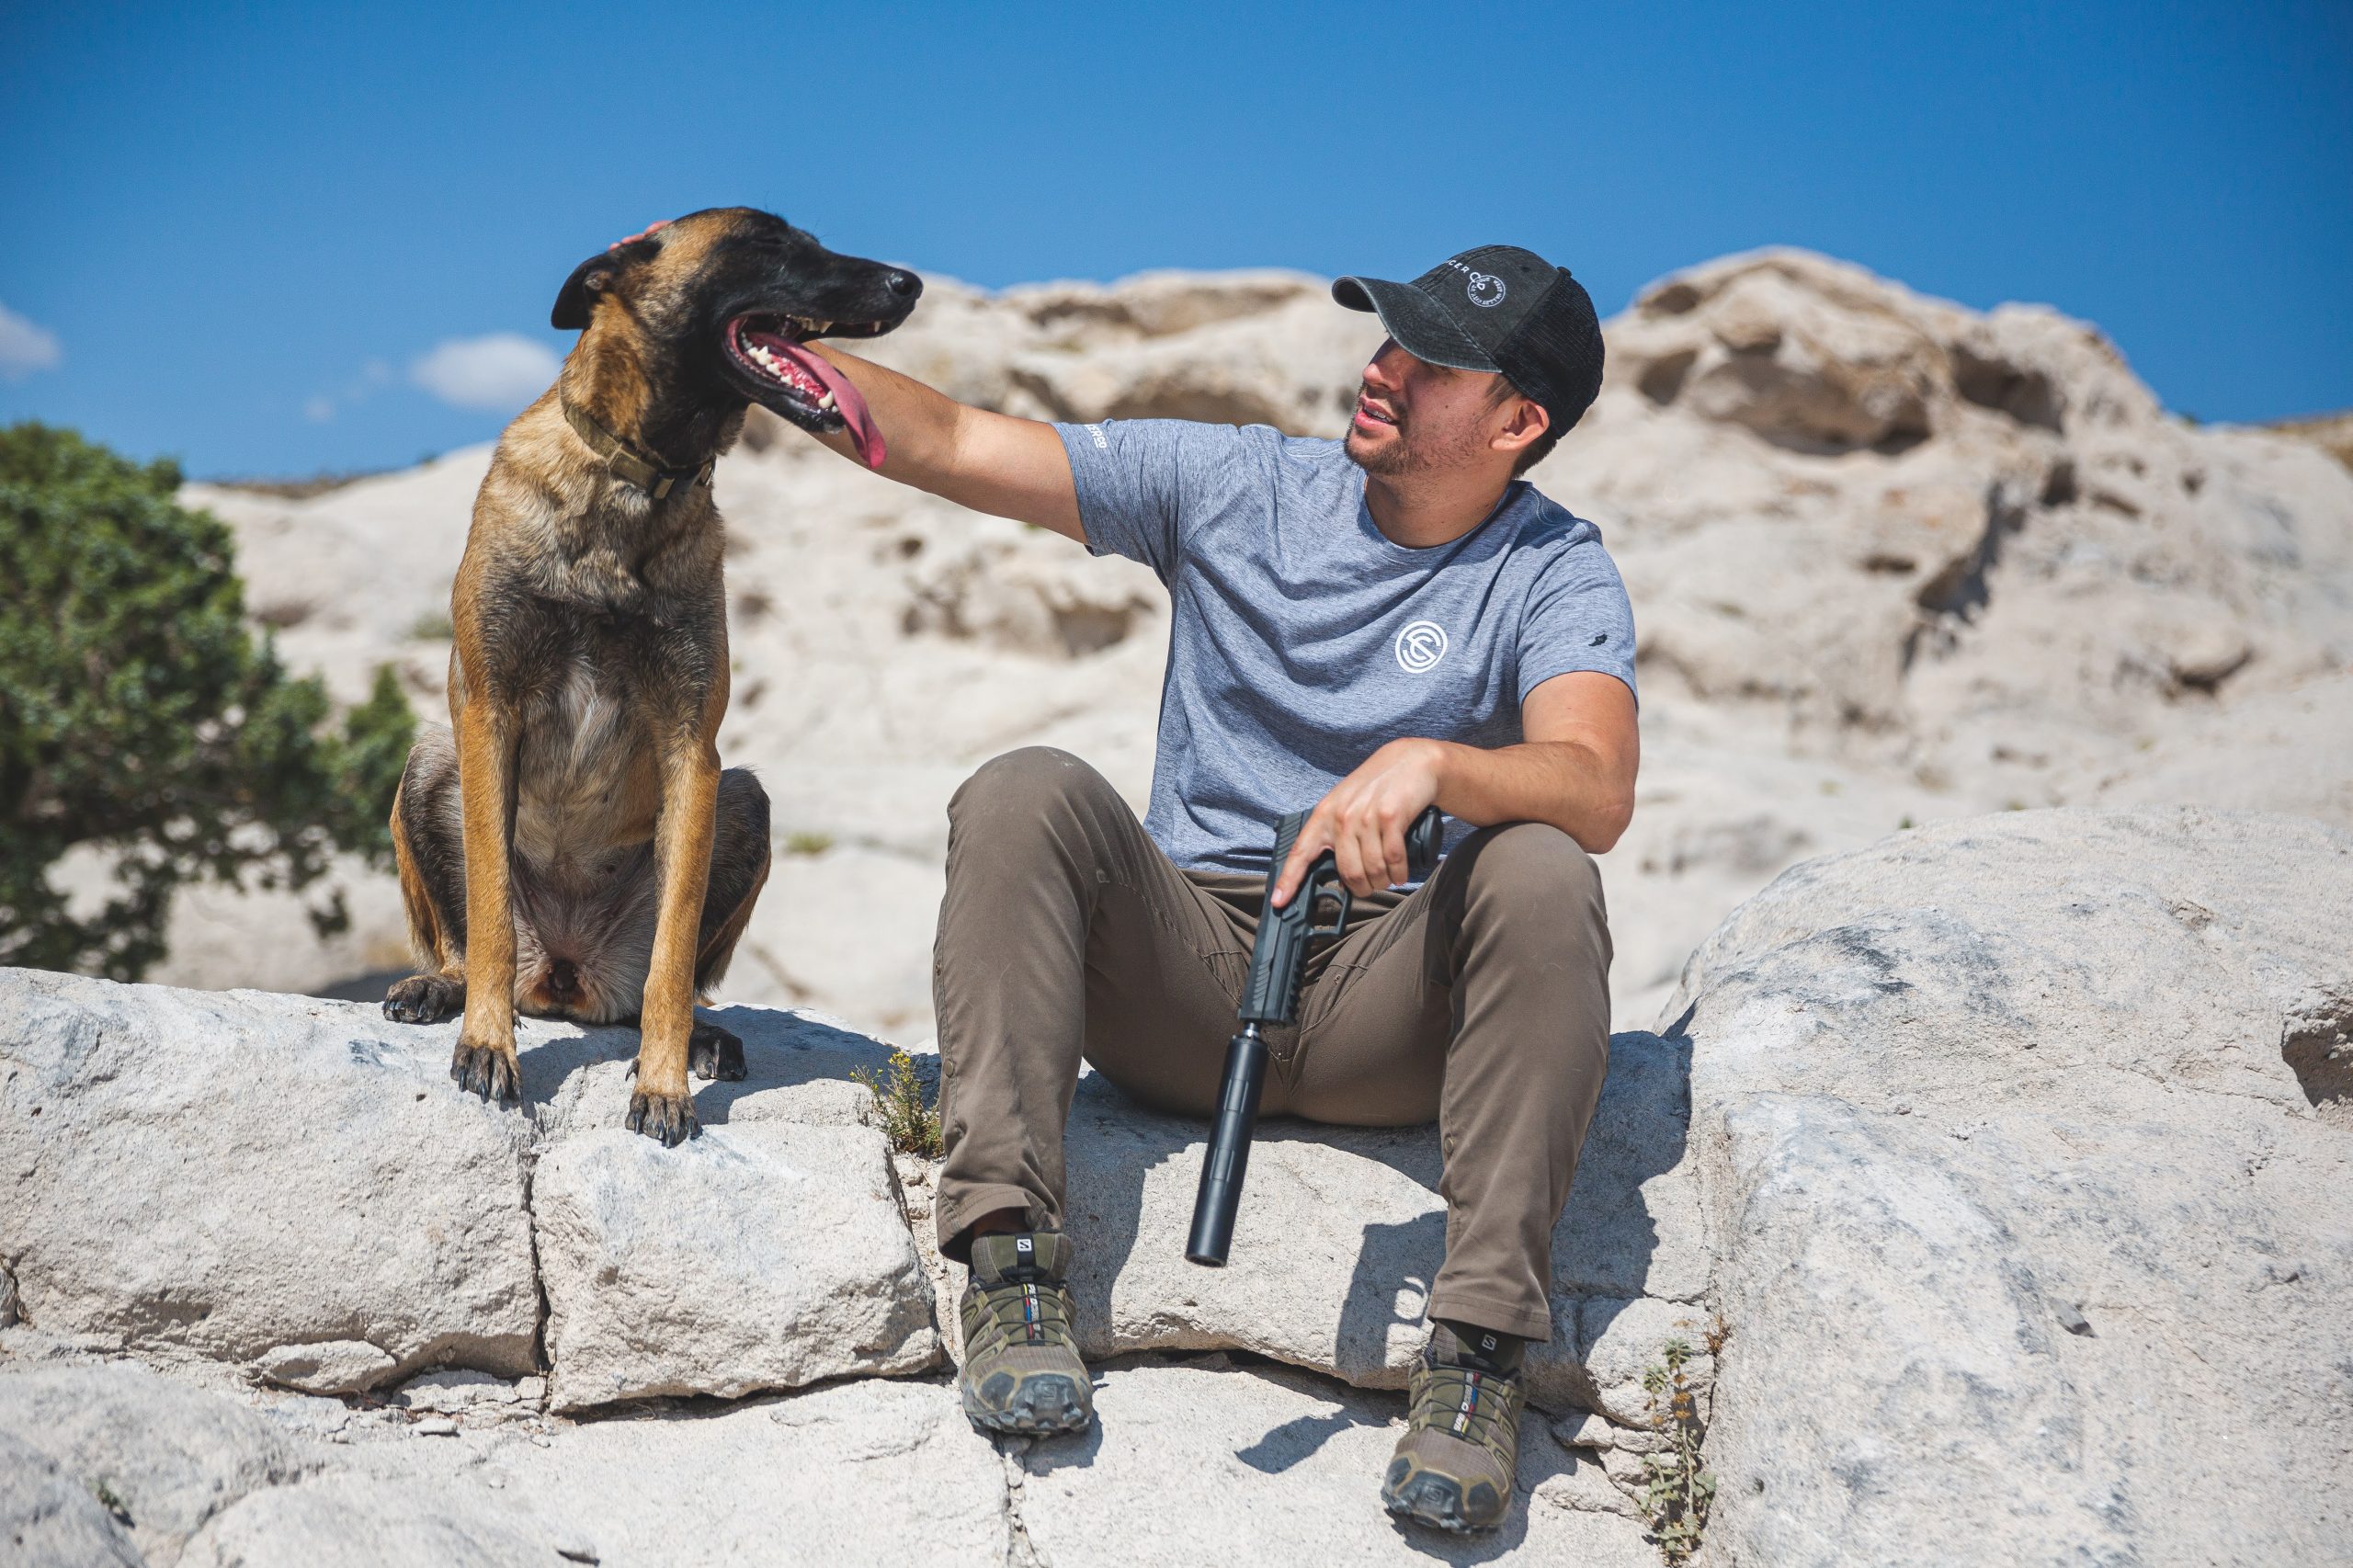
<point x="1575" y="770"/>
<point x="990" y="463"/>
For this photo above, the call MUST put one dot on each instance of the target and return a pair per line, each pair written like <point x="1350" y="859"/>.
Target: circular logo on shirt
<point x="1420" y="645"/>
<point x="1486" y="289"/>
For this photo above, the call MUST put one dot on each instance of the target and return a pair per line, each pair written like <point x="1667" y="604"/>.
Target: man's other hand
<point x="1363" y="821"/>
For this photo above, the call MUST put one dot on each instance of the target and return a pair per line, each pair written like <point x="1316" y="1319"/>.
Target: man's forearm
<point x="990" y="463"/>
<point x="917" y="422"/>
<point x="1565" y="783"/>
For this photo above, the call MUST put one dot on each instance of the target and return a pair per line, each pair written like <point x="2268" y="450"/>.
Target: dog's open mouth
<point x="800" y="384"/>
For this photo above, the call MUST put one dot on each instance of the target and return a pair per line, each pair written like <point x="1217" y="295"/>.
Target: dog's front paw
<point x="669" y="1118"/>
<point x="489" y="1071"/>
<point x="714" y="1052"/>
<point x="424" y="999"/>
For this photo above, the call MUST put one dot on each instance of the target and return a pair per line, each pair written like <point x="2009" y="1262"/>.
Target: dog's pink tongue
<point x="864" y="434"/>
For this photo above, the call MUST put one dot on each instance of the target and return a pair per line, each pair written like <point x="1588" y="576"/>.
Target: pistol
<point x="1278" y="964"/>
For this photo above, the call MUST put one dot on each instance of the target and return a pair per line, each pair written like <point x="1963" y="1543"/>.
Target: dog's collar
<point x="626" y="462"/>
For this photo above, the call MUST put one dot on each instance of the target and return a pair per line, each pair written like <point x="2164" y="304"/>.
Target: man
<point x="1371" y="626"/>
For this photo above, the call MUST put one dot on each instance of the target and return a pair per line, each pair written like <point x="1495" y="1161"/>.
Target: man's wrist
<point x="1440" y="757"/>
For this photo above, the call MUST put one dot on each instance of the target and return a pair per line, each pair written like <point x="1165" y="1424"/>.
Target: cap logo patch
<point x="1420" y="645"/>
<point x="1486" y="289"/>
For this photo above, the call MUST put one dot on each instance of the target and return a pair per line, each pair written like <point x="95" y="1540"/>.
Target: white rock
<point x="1194" y="1464"/>
<point x="797" y="1068"/>
<point x="455" y="1391"/>
<point x="355" y="1521"/>
<point x="224" y="1174"/>
<point x="1341" y="1230"/>
<point x="2090" y="1016"/>
<point x="1619" y="1341"/>
<point x="328" y="1365"/>
<point x="169" y="1456"/>
<point x="753" y="1256"/>
<point x="733" y="1485"/>
<point x="48" y="1519"/>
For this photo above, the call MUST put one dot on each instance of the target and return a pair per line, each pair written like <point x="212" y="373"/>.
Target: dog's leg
<point x="739" y="868"/>
<point x="661" y="1106"/>
<point x="485" y="1059"/>
<point x="428" y="847"/>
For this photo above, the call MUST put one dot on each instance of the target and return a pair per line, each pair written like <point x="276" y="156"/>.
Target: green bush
<point x="139" y="715"/>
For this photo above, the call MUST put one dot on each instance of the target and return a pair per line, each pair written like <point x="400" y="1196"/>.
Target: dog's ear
<point x="593" y="276"/>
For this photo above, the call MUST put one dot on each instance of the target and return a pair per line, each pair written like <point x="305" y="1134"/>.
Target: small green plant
<point x="432" y="626"/>
<point x="807" y="843"/>
<point x="1676" y="1492"/>
<point x="905" y="1117"/>
<point x="109" y="1500"/>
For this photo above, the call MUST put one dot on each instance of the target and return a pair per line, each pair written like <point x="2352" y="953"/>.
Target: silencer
<point x="1220" y="1197"/>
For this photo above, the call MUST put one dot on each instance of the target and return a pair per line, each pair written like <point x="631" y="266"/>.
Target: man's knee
<point x="1531" y="867"/>
<point x="1026" y="784"/>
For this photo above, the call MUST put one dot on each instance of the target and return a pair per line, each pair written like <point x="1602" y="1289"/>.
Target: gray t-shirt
<point x="1302" y="638"/>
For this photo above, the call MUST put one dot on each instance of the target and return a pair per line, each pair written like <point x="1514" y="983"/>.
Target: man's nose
<point x="1386" y="371"/>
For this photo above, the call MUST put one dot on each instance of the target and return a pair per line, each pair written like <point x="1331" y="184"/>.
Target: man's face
<point x="1414" y="417"/>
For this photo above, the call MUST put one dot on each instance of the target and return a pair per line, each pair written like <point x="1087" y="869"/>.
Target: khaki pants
<point x="1479" y="1000"/>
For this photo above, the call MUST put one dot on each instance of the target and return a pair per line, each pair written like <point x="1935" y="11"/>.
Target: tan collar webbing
<point x="625" y="462"/>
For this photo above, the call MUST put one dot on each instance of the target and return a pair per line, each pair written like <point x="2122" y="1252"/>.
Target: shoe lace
<point x="1026" y="1311"/>
<point x="1479" y="1407"/>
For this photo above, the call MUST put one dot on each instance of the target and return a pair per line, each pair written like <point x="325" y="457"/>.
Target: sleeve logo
<point x="1420" y="645"/>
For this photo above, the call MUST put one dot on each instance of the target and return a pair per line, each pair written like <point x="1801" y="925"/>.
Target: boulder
<point x="851" y="1474"/>
<point x="755" y="1256"/>
<point x="166" y="1457"/>
<point x="226" y="1175"/>
<point x="359" y="1521"/>
<point x="797" y="1068"/>
<point x="1341" y="1230"/>
<point x="328" y="1365"/>
<point x="2032" y="1234"/>
<point x="1202" y="1463"/>
<point x="49" y="1520"/>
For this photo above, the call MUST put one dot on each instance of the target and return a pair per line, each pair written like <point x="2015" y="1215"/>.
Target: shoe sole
<point x="1044" y="1406"/>
<point x="1428" y="1500"/>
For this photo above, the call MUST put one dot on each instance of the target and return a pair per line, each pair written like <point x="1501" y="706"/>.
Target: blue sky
<point x="265" y="238"/>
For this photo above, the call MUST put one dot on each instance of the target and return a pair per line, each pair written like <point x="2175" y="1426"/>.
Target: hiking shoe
<point x="1453" y="1467"/>
<point x="1022" y="1374"/>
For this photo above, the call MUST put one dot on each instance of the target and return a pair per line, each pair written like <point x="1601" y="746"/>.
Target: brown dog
<point x="570" y="847"/>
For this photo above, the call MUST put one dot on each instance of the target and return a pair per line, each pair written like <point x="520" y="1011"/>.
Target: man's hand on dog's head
<point x="647" y="232"/>
<point x="1363" y="821"/>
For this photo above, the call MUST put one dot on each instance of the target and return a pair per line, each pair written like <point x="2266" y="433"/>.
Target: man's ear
<point x="592" y="277"/>
<point x="1527" y="425"/>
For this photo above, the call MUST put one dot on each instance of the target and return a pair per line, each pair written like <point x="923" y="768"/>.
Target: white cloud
<point x="25" y="347"/>
<point x="498" y="373"/>
<point x="318" y="410"/>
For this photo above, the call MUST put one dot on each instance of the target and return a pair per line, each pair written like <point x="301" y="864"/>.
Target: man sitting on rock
<point x="1371" y="625"/>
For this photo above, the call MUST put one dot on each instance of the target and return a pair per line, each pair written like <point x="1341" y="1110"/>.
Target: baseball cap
<point x="1497" y="308"/>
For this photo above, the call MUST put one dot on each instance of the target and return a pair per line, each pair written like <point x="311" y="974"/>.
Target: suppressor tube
<point x="1229" y="1154"/>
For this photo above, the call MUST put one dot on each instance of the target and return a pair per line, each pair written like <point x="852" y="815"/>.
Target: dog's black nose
<point x="906" y="285"/>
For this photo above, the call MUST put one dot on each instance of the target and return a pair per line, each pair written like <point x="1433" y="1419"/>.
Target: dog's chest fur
<point x="603" y="629"/>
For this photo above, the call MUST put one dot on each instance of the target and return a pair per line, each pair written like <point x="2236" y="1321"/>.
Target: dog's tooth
<point x="827" y="400"/>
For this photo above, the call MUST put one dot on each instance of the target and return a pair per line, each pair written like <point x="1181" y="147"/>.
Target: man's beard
<point x="1389" y="461"/>
<point x="1406" y="455"/>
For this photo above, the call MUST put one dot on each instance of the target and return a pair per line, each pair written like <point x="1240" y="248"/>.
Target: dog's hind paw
<point x="668" y="1118"/>
<point x="424" y="999"/>
<point x="714" y="1052"/>
<point x="487" y="1071"/>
